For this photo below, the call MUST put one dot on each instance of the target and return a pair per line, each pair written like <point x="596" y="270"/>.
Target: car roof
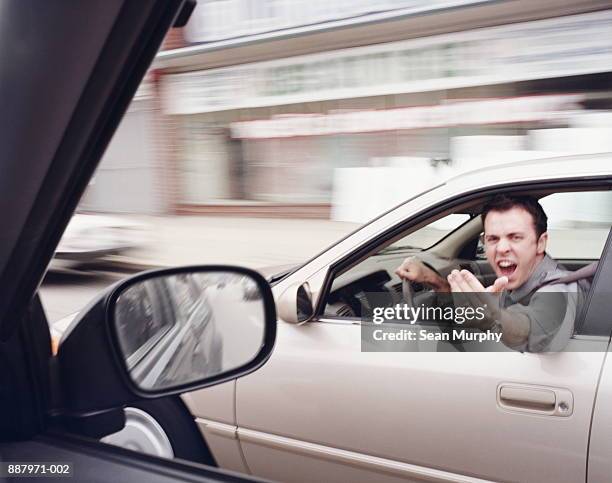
<point x="570" y="166"/>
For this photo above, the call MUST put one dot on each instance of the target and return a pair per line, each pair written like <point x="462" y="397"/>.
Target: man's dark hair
<point x="528" y="203"/>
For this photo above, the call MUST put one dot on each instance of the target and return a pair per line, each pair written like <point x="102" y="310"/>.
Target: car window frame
<point x="598" y="305"/>
<point x="105" y="49"/>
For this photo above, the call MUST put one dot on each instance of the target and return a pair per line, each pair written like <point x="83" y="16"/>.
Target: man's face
<point x="511" y="245"/>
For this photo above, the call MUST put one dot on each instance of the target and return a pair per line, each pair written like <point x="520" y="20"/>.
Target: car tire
<point x="162" y="427"/>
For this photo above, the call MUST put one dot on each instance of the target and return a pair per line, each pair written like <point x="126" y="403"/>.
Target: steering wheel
<point x="407" y="293"/>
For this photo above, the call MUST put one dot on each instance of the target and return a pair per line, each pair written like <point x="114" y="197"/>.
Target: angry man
<point x="528" y="303"/>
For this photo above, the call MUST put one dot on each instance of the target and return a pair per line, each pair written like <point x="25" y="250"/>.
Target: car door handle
<point x="535" y="399"/>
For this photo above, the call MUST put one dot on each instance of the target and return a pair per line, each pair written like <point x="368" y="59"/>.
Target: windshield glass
<point x="428" y="235"/>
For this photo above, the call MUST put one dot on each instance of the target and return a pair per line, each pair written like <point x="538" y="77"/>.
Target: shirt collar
<point x="541" y="272"/>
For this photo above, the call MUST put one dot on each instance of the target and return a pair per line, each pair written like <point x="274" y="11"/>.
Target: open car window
<point x="578" y="226"/>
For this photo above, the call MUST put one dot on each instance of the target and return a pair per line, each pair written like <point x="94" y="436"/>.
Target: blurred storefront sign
<point x="566" y="46"/>
<point x="213" y="21"/>
<point x="487" y="111"/>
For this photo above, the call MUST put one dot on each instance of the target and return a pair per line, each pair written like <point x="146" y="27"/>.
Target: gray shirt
<point x="551" y="308"/>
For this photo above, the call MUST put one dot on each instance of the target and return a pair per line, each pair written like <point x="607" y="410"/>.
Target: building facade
<point x="309" y="108"/>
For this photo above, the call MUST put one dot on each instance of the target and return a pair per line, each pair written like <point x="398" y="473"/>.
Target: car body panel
<point x="214" y="410"/>
<point x="222" y="439"/>
<point x="359" y="406"/>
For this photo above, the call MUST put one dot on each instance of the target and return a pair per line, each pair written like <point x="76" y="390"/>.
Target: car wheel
<point x="162" y="427"/>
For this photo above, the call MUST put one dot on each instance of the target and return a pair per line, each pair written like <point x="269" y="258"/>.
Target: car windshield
<point x="428" y="235"/>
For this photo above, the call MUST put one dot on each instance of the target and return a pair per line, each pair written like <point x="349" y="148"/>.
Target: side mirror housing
<point x="165" y="332"/>
<point x="295" y="304"/>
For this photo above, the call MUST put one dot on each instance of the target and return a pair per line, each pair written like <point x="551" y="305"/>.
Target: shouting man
<point x="533" y="308"/>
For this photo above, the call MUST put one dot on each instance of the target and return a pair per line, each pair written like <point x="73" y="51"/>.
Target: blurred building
<point x="315" y="108"/>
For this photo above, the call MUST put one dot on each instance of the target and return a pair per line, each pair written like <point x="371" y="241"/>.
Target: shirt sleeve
<point x="551" y="313"/>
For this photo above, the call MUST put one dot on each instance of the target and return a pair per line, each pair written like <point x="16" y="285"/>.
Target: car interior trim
<point x="81" y="137"/>
<point x="60" y="445"/>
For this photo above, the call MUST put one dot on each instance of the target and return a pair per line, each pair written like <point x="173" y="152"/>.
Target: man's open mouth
<point x="506" y="267"/>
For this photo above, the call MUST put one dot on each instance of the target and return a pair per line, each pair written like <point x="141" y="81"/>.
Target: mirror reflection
<point x="179" y="328"/>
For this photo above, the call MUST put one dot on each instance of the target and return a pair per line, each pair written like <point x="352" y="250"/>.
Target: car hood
<point x="273" y="270"/>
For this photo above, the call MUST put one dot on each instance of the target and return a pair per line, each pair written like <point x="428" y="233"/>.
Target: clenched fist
<point x="414" y="270"/>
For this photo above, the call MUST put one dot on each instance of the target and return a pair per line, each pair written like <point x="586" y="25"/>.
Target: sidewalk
<point x="251" y="242"/>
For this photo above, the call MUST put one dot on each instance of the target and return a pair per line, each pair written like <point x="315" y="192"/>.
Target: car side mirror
<point x="295" y="304"/>
<point x="165" y="332"/>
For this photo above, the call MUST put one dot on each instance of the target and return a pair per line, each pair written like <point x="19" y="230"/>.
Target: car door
<point x="69" y="72"/>
<point x="337" y="413"/>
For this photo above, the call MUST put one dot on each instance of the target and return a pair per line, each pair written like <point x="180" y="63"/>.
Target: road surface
<point x="63" y="293"/>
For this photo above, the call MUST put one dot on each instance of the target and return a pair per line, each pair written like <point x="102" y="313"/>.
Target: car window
<point x="578" y="225"/>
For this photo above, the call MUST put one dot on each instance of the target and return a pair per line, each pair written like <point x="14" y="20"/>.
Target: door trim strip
<point x="371" y="463"/>
<point x="220" y="429"/>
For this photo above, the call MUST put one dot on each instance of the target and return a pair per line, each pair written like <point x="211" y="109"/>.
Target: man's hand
<point x="411" y="269"/>
<point x="414" y="270"/>
<point x="465" y="281"/>
<point x="469" y="291"/>
<point x="498" y="286"/>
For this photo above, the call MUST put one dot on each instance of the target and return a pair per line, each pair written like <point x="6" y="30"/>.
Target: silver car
<point x="326" y="408"/>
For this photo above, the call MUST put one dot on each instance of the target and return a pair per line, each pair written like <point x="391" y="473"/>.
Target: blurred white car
<point x="93" y="238"/>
